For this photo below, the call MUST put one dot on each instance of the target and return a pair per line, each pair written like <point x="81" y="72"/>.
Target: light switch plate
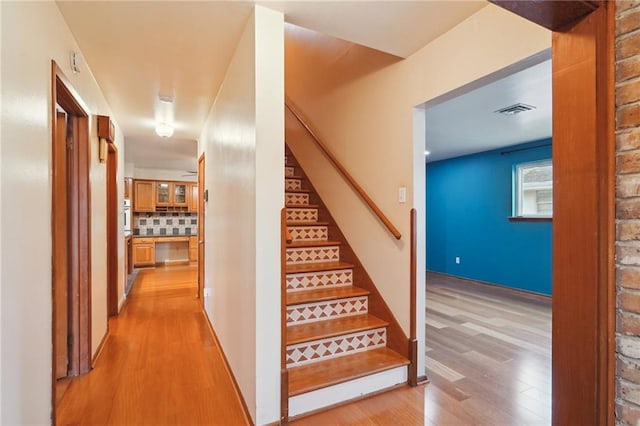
<point x="402" y="194"/>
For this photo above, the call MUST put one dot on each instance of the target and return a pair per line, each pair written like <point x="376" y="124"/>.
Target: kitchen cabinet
<point x="128" y="183"/>
<point x="193" y="249"/>
<point x="143" y="196"/>
<point x="193" y="200"/>
<point x="144" y="251"/>
<point x="172" y="194"/>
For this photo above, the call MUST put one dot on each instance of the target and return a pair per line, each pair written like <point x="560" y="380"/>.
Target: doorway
<point x="71" y="238"/>
<point x="583" y="222"/>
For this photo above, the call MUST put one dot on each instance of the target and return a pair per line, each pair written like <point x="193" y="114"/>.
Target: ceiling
<point x="139" y="50"/>
<point x="468" y="123"/>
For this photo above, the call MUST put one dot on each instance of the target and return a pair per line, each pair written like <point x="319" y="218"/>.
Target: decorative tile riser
<point x="288" y="171"/>
<point x="292" y="184"/>
<point x="302" y="215"/>
<point x="309" y="233"/>
<point x="296" y="199"/>
<point x="320" y="311"/>
<point x="313" y="255"/>
<point x="334" y="347"/>
<point x="314" y="280"/>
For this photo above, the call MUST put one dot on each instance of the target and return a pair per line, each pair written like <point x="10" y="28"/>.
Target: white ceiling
<point x="139" y="50"/>
<point x="468" y="124"/>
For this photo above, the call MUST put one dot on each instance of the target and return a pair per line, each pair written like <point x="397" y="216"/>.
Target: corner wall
<point x="32" y="34"/>
<point x="243" y="142"/>
<point x="468" y="208"/>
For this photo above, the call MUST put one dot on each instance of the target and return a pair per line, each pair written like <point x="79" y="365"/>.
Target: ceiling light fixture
<point x="164" y="130"/>
<point x="426" y="153"/>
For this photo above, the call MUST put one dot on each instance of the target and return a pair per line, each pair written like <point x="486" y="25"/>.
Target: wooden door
<point x="201" y="200"/>
<point x="144" y="196"/>
<point x="128" y="182"/>
<point x="60" y="248"/>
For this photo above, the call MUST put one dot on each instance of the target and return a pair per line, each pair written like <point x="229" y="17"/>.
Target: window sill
<point x="529" y="219"/>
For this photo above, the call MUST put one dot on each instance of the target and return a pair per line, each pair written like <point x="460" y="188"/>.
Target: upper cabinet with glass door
<point x="163" y="194"/>
<point x="179" y="192"/>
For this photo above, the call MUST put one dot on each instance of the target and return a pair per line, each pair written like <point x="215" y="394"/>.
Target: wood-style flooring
<point x="488" y="361"/>
<point x="160" y="365"/>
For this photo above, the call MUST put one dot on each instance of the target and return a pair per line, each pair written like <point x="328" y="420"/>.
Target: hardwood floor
<point x="488" y="360"/>
<point x="160" y="364"/>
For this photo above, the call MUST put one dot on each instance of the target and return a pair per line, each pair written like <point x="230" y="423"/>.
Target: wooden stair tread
<point x="303" y="190"/>
<point x="302" y="206"/>
<point x="312" y="243"/>
<point x="330" y="328"/>
<point x="307" y="223"/>
<point x="324" y="294"/>
<point x="318" y="375"/>
<point x="316" y="267"/>
<point x="294" y="176"/>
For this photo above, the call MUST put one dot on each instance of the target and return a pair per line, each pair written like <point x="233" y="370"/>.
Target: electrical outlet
<point x="402" y="194"/>
<point x="457" y="260"/>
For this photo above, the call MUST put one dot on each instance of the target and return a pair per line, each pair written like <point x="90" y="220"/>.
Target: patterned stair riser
<point x="321" y="279"/>
<point x="309" y="233"/>
<point x="288" y="171"/>
<point x="302" y="215"/>
<point x="333" y="347"/>
<point x="313" y="255"/>
<point x="296" y="198"/>
<point x="324" y="310"/>
<point x="292" y="184"/>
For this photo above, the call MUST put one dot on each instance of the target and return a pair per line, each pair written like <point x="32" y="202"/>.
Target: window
<point x="533" y="190"/>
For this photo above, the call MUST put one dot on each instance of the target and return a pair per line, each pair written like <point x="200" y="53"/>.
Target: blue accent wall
<point x="468" y="209"/>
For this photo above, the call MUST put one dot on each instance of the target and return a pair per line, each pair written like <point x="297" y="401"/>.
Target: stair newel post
<point x="413" y="342"/>
<point x="284" y="373"/>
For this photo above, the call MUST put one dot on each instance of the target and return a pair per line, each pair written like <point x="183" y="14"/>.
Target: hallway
<point x="143" y="375"/>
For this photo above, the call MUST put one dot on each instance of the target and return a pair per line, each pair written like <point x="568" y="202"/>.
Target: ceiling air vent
<point x="515" y="109"/>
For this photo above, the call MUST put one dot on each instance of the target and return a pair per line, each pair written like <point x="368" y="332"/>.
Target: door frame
<point x="201" y="201"/>
<point x="112" y="230"/>
<point x="74" y="192"/>
<point x="583" y="304"/>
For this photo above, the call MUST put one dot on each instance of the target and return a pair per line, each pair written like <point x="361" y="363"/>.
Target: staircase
<point x="336" y="349"/>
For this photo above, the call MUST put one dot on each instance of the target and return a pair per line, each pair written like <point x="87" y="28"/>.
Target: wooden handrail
<point x="344" y="172"/>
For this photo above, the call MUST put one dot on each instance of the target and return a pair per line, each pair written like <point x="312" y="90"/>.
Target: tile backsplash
<point x="159" y="224"/>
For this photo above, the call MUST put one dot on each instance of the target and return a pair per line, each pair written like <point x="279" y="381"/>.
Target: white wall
<point x="31" y="35"/>
<point x="361" y="103"/>
<point x="243" y="141"/>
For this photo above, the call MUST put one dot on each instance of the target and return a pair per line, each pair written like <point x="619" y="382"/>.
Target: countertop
<point x="164" y="236"/>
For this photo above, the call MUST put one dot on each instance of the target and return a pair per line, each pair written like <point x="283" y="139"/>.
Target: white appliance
<point x="126" y="210"/>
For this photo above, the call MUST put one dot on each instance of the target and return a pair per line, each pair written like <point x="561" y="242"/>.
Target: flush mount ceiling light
<point x="164" y="130"/>
<point x="164" y="116"/>
<point x="426" y="153"/>
<point x="515" y="109"/>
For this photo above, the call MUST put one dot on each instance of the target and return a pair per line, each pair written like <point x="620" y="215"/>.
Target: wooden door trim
<point x="201" y="228"/>
<point x="599" y="176"/>
<point x="62" y="93"/>
<point x="112" y="230"/>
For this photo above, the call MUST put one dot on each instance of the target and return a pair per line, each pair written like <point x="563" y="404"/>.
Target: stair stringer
<point x="396" y="338"/>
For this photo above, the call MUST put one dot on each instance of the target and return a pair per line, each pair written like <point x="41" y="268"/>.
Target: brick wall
<point x="628" y="212"/>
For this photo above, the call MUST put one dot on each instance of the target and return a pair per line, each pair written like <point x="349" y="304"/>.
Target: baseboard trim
<point x="101" y="346"/>
<point x="227" y="368"/>
<point x="494" y="285"/>
<point x="339" y="394"/>
<point x="350" y="401"/>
